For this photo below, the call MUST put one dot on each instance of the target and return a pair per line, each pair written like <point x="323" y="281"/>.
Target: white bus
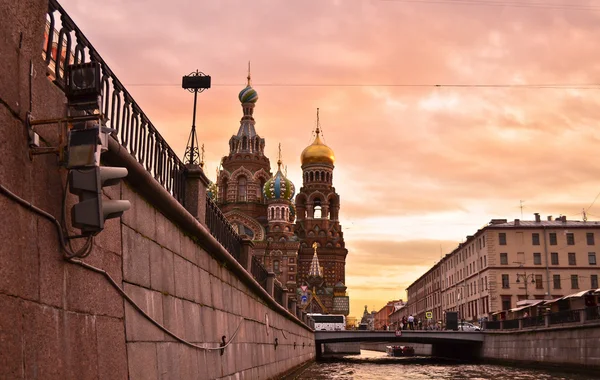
<point x="329" y="322"/>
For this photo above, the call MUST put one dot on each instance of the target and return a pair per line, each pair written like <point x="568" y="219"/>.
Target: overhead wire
<point x="536" y="86"/>
<point x="498" y="3"/>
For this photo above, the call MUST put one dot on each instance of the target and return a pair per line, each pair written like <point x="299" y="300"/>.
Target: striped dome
<point x="248" y="95"/>
<point x="279" y="187"/>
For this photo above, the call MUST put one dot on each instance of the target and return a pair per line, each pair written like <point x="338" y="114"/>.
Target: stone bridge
<point x="450" y="344"/>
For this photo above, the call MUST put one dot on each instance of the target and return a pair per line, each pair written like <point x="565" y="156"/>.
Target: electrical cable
<point x="69" y="257"/>
<point x="498" y="3"/>
<point x="565" y="86"/>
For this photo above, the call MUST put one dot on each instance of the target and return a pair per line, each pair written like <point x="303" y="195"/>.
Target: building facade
<point x="507" y="262"/>
<point x="261" y="207"/>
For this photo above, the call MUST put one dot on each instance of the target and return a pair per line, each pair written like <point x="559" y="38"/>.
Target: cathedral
<point x="300" y="239"/>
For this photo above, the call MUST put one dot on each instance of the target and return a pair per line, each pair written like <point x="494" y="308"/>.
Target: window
<point x="556" y="281"/>
<point x="276" y="266"/>
<point x="590" y="238"/>
<point x="538" y="282"/>
<point x="574" y="281"/>
<point x="505" y="284"/>
<point x="570" y="238"/>
<point x="504" y="258"/>
<point x="242" y="189"/>
<point x="506" y="302"/>
<point x="592" y="258"/>
<point x="594" y="281"/>
<point x="535" y="239"/>
<point x="554" y="258"/>
<point x="537" y="258"/>
<point x="553" y="238"/>
<point x="572" y="259"/>
<point x="502" y="238"/>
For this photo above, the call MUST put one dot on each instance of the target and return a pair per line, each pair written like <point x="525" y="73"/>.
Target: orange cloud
<point x="415" y="165"/>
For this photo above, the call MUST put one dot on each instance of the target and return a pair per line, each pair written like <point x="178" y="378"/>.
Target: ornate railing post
<point x="293" y="306"/>
<point x="196" y="184"/>
<point x="246" y="254"/>
<point x="271" y="284"/>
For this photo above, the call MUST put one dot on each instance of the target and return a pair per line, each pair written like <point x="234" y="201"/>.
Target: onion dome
<point x="248" y="95"/>
<point x="317" y="153"/>
<point x="279" y="187"/>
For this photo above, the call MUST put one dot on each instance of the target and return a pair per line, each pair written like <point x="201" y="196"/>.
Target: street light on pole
<point x="525" y="278"/>
<point x="196" y="82"/>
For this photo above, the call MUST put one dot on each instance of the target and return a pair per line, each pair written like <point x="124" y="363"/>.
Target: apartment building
<point x="507" y="262"/>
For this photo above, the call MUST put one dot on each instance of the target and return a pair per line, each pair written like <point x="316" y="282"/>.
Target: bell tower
<point x="317" y="215"/>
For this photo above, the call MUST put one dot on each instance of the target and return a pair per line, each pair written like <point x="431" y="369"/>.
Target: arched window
<point x="276" y="266"/>
<point x="322" y="176"/>
<point x="244" y="143"/>
<point x="261" y="195"/>
<point x="312" y="176"/>
<point x="317" y="176"/>
<point x="327" y="177"/>
<point x="317" y="209"/>
<point x="242" y="189"/>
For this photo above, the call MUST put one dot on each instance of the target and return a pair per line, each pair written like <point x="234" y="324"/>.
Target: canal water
<point x="373" y="365"/>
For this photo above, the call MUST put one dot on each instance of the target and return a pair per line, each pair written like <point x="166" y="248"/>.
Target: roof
<point x="526" y="306"/>
<point x="546" y="223"/>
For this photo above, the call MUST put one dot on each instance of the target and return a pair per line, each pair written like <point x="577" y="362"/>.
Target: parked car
<point x="467" y="326"/>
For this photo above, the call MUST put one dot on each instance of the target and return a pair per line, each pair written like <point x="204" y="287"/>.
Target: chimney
<point x="537" y="217"/>
<point x="563" y="218"/>
<point x="549" y="218"/>
<point x="517" y="222"/>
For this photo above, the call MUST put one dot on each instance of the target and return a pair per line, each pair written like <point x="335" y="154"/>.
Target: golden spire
<point x="318" y="125"/>
<point x="279" y="158"/>
<point x="249" y="77"/>
<point x="202" y="157"/>
<point x="217" y="171"/>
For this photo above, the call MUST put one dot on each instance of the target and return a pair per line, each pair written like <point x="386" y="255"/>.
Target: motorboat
<point x="400" y="351"/>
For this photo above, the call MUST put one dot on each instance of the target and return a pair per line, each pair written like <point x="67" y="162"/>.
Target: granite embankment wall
<point x="568" y="346"/>
<point x="64" y="320"/>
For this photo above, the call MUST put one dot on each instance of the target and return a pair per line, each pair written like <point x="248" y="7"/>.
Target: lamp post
<point x="196" y="82"/>
<point x="525" y="278"/>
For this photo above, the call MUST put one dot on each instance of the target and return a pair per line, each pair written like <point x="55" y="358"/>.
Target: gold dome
<point x="317" y="153"/>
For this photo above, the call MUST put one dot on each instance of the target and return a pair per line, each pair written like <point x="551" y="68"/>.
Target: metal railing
<point x="566" y="316"/>
<point x="259" y="272"/>
<point x="534" y="321"/>
<point x="278" y="294"/>
<point x="135" y="132"/>
<point x="222" y="230"/>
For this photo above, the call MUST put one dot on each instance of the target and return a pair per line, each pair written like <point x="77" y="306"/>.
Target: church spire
<point x="315" y="268"/>
<point x="249" y="84"/>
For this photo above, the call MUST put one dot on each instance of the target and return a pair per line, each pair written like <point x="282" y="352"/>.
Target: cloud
<point x="415" y="165"/>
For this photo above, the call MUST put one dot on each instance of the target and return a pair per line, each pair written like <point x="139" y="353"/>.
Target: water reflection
<point x="373" y="365"/>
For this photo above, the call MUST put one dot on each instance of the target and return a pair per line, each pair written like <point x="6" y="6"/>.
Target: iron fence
<point x="279" y="294"/>
<point x="65" y="44"/>
<point x="592" y="313"/>
<point x="534" y="321"/>
<point x="222" y="230"/>
<point x="510" y="324"/>
<point x="566" y="316"/>
<point x="259" y="272"/>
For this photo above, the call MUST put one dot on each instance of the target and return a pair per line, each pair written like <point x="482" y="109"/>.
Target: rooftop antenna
<point x="521" y="206"/>
<point x="584" y="215"/>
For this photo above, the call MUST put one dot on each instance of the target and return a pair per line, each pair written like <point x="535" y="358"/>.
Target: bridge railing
<point x="564" y="317"/>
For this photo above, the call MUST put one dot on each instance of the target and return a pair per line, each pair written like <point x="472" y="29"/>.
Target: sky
<point x="443" y="114"/>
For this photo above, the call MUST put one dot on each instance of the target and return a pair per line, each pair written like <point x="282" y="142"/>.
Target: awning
<point x="525" y="306"/>
<point x="577" y="295"/>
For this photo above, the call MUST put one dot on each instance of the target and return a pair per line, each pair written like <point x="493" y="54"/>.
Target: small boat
<point x="400" y="351"/>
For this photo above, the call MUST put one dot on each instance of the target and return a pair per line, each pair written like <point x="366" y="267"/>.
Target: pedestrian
<point x="411" y="322"/>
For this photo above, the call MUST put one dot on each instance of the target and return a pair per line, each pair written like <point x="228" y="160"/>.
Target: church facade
<point x="300" y="239"/>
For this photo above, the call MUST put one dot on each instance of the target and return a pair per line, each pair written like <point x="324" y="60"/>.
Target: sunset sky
<point x="418" y="166"/>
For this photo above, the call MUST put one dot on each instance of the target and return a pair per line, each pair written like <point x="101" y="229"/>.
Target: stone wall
<point x="572" y="346"/>
<point x="62" y="320"/>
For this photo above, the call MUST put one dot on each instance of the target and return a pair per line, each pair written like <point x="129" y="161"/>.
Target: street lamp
<point x="195" y="82"/>
<point x="525" y="278"/>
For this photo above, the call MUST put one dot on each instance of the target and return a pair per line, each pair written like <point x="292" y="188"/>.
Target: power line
<point x="565" y="86"/>
<point x="495" y="3"/>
